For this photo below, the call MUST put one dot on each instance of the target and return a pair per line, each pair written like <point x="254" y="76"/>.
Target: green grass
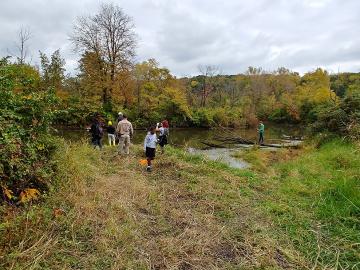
<point x="190" y="213"/>
<point x="315" y="200"/>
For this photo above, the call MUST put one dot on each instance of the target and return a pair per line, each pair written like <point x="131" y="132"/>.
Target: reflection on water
<point x="191" y="138"/>
<point x="223" y="155"/>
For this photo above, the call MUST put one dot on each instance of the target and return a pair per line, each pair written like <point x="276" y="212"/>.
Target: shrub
<point x="280" y="115"/>
<point x="25" y="144"/>
<point x="341" y="118"/>
<point x="202" y="118"/>
<point x="215" y="117"/>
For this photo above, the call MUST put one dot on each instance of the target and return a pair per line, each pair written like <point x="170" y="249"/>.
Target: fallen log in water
<point x="293" y="138"/>
<point x="224" y="141"/>
<point x="213" y="145"/>
<point x="232" y="140"/>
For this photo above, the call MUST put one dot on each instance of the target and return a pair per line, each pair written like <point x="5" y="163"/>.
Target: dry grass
<point x="186" y="214"/>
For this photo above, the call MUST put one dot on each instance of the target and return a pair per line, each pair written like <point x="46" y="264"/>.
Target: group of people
<point x="124" y="131"/>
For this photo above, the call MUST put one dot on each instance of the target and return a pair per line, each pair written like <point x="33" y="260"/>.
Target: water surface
<point x="191" y="138"/>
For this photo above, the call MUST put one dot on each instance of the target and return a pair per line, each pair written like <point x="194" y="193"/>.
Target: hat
<point x="120" y="113"/>
<point x="109" y="123"/>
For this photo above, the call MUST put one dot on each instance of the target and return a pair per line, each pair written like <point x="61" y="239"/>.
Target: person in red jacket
<point x="165" y="123"/>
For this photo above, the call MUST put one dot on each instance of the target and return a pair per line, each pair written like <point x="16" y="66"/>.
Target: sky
<point x="183" y="34"/>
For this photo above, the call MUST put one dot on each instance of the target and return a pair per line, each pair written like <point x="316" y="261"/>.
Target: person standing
<point x="96" y="133"/>
<point x="261" y="130"/>
<point x="165" y="125"/>
<point x="163" y="132"/>
<point x="120" y="117"/>
<point x="150" y="146"/>
<point x="111" y="133"/>
<point x="124" y="130"/>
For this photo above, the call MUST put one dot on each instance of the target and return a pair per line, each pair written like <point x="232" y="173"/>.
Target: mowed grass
<point x="189" y="213"/>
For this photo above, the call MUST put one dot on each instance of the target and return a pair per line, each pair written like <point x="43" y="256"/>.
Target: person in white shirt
<point x="150" y="146"/>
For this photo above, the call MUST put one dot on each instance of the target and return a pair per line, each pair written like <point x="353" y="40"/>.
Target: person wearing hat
<point x="125" y="131"/>
<point x="120" y="117"/>
<point x="111" y="133"/>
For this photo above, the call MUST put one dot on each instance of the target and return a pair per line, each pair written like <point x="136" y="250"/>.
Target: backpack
<point x="99" y="130"/>
<point x="166" y="131"/>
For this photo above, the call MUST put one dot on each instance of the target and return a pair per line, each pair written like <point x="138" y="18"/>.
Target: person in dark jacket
<point x="111" y="133"/>
<point x="96" y="133"/>
<point x="163" y="133"/>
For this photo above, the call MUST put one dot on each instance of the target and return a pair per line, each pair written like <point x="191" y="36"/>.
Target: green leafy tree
<point x="53" y="72"/>
<point x="25" y="117"/>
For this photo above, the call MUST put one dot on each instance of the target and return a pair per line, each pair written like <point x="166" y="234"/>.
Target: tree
<point x="24" y="36"/>
<point x="235" y="88"/>
<point x="158" y="93"/>
<point x="208" y="73"/>
<point x="52" y="71"/>
<point x="109" y="36"/>
<point x="257" y="87"/>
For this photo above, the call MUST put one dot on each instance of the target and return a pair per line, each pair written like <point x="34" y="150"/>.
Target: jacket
<point x="150" y="141"/>
<point x="124" y="127"/>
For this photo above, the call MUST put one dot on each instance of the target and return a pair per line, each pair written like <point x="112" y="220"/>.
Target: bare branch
<point x="110" y="34"/>
<point x="24" y="35"/>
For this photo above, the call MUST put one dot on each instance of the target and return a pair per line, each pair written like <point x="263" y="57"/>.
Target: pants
<point x="163" y="140"/>
<point x="96" y="141"/>
<point x="150" y="155"/>
<point x="124" y="144"/>
<point x="261" y="138"/>
<point x="111" y="138"/>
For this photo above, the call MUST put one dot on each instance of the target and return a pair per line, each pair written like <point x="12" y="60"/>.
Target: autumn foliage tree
<point x="159" y="94"/>
<point x="107" y="40"/>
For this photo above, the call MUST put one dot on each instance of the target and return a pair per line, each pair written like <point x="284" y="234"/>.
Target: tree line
<point x="34" y="98"/>
<point x="109" y="80"/>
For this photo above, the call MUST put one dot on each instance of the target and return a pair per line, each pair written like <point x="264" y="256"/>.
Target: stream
<point x="190" y="138"/>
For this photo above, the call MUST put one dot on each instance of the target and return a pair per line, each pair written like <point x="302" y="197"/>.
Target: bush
<point x="25" y="144"/>
<point x="281" y="115"/>
<point x="202" y="118"/>
<point x="341" y="118"/>
<point x="215" y="117"/>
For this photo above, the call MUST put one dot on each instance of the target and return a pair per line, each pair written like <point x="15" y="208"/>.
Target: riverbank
<point x="106" y="212"/>
<point x="193" y="137"/>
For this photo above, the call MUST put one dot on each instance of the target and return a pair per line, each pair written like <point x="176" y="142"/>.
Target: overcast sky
<point x="183" y="34"/>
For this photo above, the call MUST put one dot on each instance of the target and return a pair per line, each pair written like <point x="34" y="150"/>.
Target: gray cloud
<point x="299" y="34"/>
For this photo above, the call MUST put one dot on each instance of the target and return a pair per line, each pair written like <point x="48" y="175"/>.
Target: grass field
<point x="106" y="212"/>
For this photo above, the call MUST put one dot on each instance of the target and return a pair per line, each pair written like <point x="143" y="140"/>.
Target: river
<point x="190" y="139"/>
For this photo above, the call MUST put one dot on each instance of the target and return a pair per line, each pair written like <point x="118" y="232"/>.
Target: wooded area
<point x="33" y="99"/>
<point x="109" y="80"/>
<point x="66" y="205"/>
